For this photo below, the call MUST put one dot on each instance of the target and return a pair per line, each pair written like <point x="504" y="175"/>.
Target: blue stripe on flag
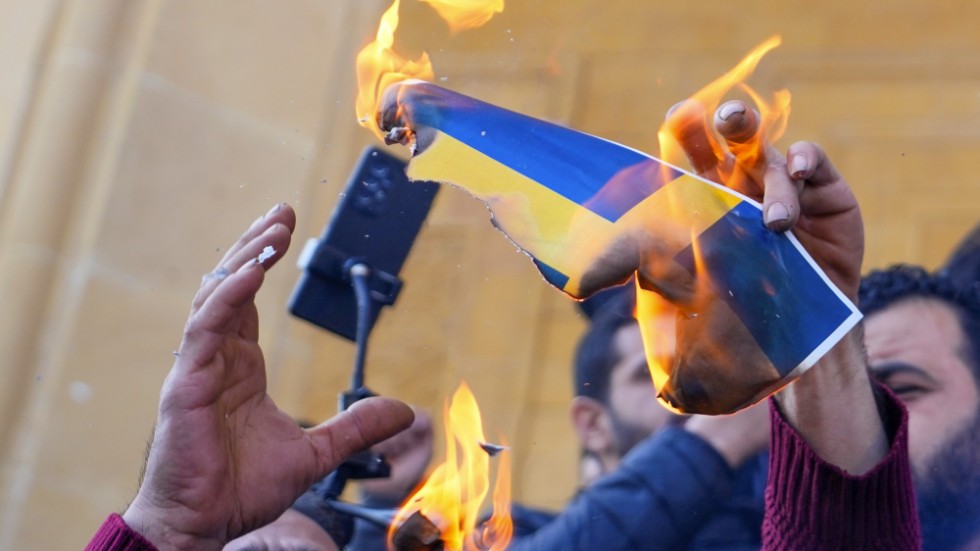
<point x="748" y="265"/>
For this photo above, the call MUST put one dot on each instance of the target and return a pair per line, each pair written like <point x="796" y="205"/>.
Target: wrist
<point x="833" y="409"/>
<point x="840" y="376"/>
<point x="162" y="527"/>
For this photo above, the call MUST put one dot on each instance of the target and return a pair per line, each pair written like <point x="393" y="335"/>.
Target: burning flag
<point x="754" y="310"/>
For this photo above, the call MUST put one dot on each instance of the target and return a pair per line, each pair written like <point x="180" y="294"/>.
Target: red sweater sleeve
<point x="814" y="505"/>
<point x="116" y="535"/>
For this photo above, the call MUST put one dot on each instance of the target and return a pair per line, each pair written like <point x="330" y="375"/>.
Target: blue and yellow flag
<point x="580" y="206"/>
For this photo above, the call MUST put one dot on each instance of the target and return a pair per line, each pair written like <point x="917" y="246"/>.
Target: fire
<point x="657" y="331"/>
<point x="379" y="65"/>
<point x="466" y="14"/>
<point x="773" y="115"/>
<point x="452" y="496"/>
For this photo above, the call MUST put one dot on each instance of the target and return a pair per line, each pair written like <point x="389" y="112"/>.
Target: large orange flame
<point x="657" y="331"/>
<point x="773" y="114"/>
<point x="453" y="494"/>
<point x="379" y="65"/>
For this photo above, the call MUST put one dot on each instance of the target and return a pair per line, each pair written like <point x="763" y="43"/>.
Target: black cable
<point x="332" y="486"/>
<point x="359" y="278"/>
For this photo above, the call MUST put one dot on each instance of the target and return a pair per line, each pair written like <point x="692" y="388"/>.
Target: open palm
<point x="225" y="460"/>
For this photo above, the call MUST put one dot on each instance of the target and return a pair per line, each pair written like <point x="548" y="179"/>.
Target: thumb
<point x="366" y="423"/>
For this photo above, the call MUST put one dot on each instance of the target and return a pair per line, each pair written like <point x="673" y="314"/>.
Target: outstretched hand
<point x="224" y="459"/>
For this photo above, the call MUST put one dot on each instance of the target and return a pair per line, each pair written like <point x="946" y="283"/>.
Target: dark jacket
<point x="672" y="491"/>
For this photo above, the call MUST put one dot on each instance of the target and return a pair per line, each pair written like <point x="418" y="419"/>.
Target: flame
<point x="379" y="65"/>
<point x="466" y="14"/>
<point x="657" y="330"/>
<point x="453" y="494"/>
<point x="652" y="310"/>
<point x="773" y="115"/>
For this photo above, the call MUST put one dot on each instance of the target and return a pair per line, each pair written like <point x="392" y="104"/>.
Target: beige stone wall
<point x="138" y="136"/>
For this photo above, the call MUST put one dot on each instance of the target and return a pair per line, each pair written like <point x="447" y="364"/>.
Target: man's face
<point x="916" y="347"/>
<point x="635" y="411"/>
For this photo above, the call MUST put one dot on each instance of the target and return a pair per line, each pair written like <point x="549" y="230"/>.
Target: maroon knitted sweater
<point x="115" y="535"/>
<point x="813" y="505"/>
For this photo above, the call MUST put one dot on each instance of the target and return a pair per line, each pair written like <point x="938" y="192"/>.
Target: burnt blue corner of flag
<point x="747" y="266"/>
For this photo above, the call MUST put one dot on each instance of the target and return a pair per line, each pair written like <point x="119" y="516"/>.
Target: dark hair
<point x="596" y="354"/>
<point x="882" y="288"/>
<point x="963" y="265"/>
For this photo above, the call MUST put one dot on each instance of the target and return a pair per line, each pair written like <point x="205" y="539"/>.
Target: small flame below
<point x="452" y="496"/>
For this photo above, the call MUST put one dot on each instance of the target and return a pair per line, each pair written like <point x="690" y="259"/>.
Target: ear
<point x="591" y="422"/>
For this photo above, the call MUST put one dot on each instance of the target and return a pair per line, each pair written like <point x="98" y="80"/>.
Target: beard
<point x="949" y="492"/>
<point x="627" y="434"/>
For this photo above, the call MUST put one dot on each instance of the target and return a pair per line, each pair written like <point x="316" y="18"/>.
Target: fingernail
<point x="798" y="166"/>
<point x="729" y="109"/>
<point x="274" y="209"/>
<point x="777" y="212"/>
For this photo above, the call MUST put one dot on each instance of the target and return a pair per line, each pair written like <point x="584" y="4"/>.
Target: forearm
<point x="812" y="505"/>
<point x="833" y="408"/>
<point x="666" y="489"/>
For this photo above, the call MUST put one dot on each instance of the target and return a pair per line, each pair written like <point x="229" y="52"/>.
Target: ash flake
<point x="268" y="252"/>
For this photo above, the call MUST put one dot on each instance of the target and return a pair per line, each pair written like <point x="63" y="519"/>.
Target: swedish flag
<point x="566" y="197"/>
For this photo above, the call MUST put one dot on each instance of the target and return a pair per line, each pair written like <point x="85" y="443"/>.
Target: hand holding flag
<point x="754" y="310"/>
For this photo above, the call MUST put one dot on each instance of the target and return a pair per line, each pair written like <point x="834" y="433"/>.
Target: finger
<point x="808" y="181"/>
<point x="687" y="123"/>
<point x="739" y="126"/>
<point x="415" y="436"/>
<point x="366" y="423"/>
<point x="207" y="327"/>
<point x="762" y="168"/>
<point x="736" y="123"/>
<point x="221" y="312"/>
<point x="781" y="204"/>
<point x="248" y="247"/>
<point x="826" y="192"/>
<point x="280" y="213"/>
